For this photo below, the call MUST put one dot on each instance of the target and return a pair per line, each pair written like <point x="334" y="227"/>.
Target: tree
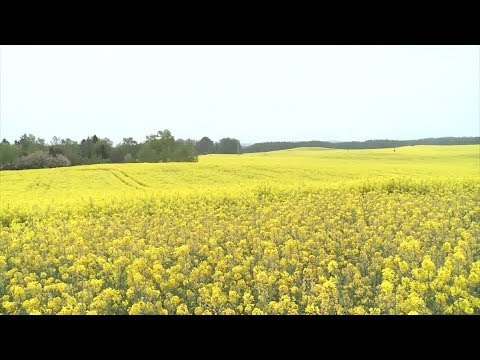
<point x="129" y="146"/>
<point x="229" y="146"/>
<point x="8" y="153"/>
<point x="87" y="148"/>
<point x="167" y="145"/>
<point x="205" y="146"/>
<point x="68" y="142"/>
<point x="95" y="148"/>
<point x="71" y="150"/>
<point x="103" y="148"/>
<point x="54" y="150"/>
<point x="55" y="141"/>
<point x="116" y="155"/>
<point x="29" y="143"/>
<point x="163" y="145"/>
<point x="147" y="152"/>
<point x="154" y="141"/>
<point x="39" y="160"/>
<point x="185" y="151"/>
<point x="129" y="142"/>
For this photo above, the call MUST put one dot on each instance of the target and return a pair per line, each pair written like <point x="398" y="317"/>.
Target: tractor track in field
<point x="131" y="182"/>
<point x="133" y="179"/>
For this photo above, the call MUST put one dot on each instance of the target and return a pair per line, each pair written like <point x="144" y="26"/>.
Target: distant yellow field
<point x="301" y="231"/>
<point x="303" y="166"/>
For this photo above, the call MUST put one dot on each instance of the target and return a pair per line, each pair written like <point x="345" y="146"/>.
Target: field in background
<point x="228" y="173"/>
<point x="306" y="230"/>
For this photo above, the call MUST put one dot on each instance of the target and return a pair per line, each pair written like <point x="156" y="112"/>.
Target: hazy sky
<point x="253" y="93"/>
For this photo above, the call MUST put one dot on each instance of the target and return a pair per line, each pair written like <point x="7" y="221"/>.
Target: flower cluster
<point x="377" y="247"/>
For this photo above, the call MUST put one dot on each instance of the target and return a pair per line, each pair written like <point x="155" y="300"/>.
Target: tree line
<point x="29" y="152"/>
<point x="369" y="144"/>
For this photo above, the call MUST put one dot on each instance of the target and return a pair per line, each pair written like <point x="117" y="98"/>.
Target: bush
<point x="40" y="160"/>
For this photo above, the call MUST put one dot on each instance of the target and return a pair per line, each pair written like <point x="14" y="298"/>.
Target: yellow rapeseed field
<point x="302" y="231"/>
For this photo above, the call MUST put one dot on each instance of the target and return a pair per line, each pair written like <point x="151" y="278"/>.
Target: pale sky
<point x="253" y="93"/>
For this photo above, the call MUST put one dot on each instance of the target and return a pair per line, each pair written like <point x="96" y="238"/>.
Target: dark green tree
<point x="103" y="148"/>
<point x="87" y="148"/>
<point x="167" y="145"/>
<point x="116" y="155"/>
<point x="205" y="146"/>
<point x="147" y="152"/>
<point x="71" y="149"/>
<point x="129" y="146"/>
<point x="29" y="144"/>
<point x="185" y="151"/>
<point x="229" y="146"/>
<point x="8" y="153"/>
